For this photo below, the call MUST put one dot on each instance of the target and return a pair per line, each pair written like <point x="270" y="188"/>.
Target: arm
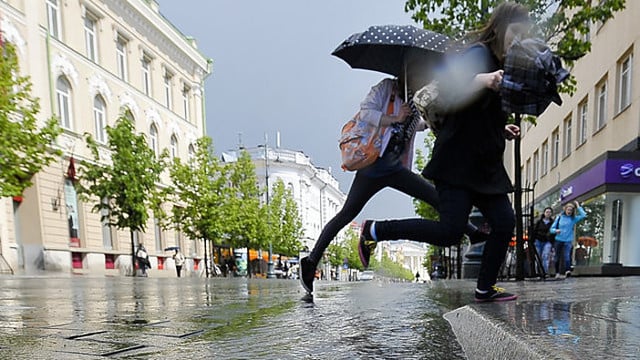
<point x="554" y="227"/>
<point x="374" y="106"/>
<point x="581" y="213"/>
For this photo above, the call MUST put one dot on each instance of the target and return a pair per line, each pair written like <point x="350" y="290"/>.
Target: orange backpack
<point x="361" y="142"/>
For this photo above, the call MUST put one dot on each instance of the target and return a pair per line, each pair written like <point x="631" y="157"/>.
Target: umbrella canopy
<point x="588" y="241"/>
<point x="392" y="49"/>
<point x="172" y="248"/>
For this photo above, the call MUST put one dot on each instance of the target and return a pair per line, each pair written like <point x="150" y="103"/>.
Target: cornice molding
<point x="156" y="30"/>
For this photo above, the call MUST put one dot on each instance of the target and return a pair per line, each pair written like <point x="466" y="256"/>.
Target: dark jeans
<point x="362" y="190"/>
<point x="455" y="206"/>
<point x="563" y="256"/>
<point x="178" y="269"/>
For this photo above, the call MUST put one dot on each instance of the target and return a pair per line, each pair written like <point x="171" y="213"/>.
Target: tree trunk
<point x="206" y="260"/>
<point x="133" y="254"/>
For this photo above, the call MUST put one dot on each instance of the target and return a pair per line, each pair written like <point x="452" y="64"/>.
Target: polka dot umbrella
<point x="392" y="49"/>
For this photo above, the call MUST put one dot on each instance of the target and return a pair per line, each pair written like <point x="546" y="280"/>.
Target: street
<point x="158" y="318"/>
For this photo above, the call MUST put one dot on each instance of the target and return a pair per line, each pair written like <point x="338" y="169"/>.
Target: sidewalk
<point x="574" y="318"/>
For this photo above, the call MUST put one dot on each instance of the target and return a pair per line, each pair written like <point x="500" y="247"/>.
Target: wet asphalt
<point x="77" y="317"/>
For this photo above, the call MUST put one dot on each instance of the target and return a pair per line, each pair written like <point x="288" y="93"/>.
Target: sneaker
<point x="366" y="245"/>
<point x="495" y="294"/>
<point x="307" y="274"/>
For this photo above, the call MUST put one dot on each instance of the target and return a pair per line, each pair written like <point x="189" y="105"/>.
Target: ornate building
<point x="89" y="60"/>
<point x="314" y="189"/>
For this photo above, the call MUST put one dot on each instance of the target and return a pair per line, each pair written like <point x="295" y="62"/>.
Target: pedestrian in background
<point x="467" y="163"/>
<point x="544" y="239"/>
<point x="563" y="228"/>
<point x="142" y="258"/>
<point x="179" y="259"/>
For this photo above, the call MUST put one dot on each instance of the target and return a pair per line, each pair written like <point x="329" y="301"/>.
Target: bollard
<point x="473" y="256"/>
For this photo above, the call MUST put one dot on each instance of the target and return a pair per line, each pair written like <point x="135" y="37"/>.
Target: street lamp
<point x="270" y="271"/>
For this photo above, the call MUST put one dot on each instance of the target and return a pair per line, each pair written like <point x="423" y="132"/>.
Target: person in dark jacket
<point x="467" y="163"/>
<point x="543" y="237"/>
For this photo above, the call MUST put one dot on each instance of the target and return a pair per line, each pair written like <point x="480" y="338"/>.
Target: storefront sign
<point x="609" y="171"/>
<point x="620" y="171"/>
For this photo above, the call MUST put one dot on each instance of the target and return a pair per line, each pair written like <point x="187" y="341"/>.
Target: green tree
<point x="24" y="147"/>
<point x="422" y="158"/>
<point x="392" y="269"/>
<point x="200" y="189"/>
<point x="124" y="187"/>
<point x="284" y="226"/>
<point x="245" y="217"/>
<point x="336" y="253"/>
<point x="564" y="24"/>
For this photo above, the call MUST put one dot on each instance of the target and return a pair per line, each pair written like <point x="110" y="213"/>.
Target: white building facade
<point x="410" y="254"/>
<point x="315" y="190"/>
<point x="90" y="60"/>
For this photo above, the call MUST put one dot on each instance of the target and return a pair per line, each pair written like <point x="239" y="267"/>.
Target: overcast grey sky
<point x="273" y="71"/>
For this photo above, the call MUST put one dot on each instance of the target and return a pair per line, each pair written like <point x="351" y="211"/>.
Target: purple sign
<point x="610" y="171"/>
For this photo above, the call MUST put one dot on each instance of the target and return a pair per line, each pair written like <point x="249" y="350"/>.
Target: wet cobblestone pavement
<point x="167" y="318"/>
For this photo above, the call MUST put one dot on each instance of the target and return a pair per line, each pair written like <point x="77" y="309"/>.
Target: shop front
<point x="608" y="240"/>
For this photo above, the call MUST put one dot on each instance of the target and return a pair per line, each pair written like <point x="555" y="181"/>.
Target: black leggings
<point x="454" y="212"/>
<point x="362" y="190"/>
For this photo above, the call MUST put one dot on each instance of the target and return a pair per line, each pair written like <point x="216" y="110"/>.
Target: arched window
<point x="192" y="152"/>
<point x="153" y="136"/>
<point x="63" y="101"/>
<point x="174" y="146"/>
<point x="99" y="118"/>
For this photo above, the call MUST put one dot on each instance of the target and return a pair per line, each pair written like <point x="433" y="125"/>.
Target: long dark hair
<point x="493" y="32"/>
<point x="545" y="210"/>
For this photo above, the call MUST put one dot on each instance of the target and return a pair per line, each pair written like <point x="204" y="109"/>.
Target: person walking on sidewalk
<point x="179" y="259"/>
<point x="563" y="229"/>
<point x="467" y="163"/>
<point x="384" y="107"/>
<point x="142" y="257"/>
<point x="543" y="238"/>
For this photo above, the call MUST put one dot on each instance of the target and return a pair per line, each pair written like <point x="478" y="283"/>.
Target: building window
<point x="121" y="58"/>
<point x="174" y="147"/>
<point x="545" y="157"/>
<point x="146" y="75"/>
<point x="90" y="38"/>
<point x="107" y="235"/>
<point x="583" y="120"/>
<point x="192" y="152"/>
<point x="153" y="136"/>
<point x="624" y="80"/>
<point x="527" y="173"/>
<point x="63" y="100"/>
<point x="601" y="110"/>
<point x="167" y="90"/>
<point x="536" y="166"/>
<point x="567" y="124"/>
<point x="99" y="119"/>
<point x="157" y="233"/>
<point x="185" y="102"/>
<point x="555" y="151"/>
<point x="53" y="18"/>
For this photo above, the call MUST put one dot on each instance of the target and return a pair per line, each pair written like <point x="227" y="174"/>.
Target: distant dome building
<point x="314" y="189"/>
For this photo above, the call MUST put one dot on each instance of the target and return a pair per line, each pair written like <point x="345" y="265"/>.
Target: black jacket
<point x="542" y="231"/>
<point x="468" y="151"/>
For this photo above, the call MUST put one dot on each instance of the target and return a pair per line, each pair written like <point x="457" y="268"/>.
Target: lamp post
<point x="270" y="271"/>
